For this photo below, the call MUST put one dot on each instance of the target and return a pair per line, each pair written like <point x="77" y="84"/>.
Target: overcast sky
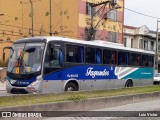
<point x="149" y="7"/>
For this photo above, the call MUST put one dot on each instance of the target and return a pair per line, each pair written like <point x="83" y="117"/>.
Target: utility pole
<point x="22" y="16"/>
<point x="156" y="55"/>
<point x="50" y="18"/>
<point x="91" y="31"/>
<point x="32" y="17"/>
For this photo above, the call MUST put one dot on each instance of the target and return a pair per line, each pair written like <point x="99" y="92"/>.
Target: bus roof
<point x="97" y="43"/>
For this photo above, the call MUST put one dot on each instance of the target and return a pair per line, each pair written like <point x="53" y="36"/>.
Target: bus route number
<point x="72" y="75"/>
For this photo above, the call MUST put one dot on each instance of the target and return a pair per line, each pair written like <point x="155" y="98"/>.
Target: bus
<point x="57" y="64"/>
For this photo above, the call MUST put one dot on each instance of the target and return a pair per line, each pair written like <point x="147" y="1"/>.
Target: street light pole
<point x="156" y="55"/>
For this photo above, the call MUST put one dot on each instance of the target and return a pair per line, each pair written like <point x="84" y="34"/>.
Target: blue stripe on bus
<point x="99" y="73"/>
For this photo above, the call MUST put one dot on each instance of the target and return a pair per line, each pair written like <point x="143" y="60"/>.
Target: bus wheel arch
<point x="129" y="83"/>
<point x="71" y="85"/>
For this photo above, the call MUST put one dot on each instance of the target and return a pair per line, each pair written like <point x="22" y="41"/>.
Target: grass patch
<point x="72" y="96"/>
<point x="76" y="98"/>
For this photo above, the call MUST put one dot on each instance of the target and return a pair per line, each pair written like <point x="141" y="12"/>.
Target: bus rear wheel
<point x="129" y="83"/>
<point x="71" y="87"/>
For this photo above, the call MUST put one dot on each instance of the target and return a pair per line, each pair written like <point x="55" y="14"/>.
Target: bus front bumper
<point x="23" y="90"/>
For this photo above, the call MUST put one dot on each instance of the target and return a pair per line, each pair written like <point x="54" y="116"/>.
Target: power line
<point x="26" y="21"/>
<point x="16" y="26"/>
<point x="32" y="1"/>
<point x="9" y="34"/>
<point x="141" y="13"/>
<point x="57" y="5"/>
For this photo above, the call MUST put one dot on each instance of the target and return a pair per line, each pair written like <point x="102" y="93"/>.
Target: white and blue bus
<point x="57" y="64"/>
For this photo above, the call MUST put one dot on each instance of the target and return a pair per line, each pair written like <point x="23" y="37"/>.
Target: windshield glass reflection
<point x="26" y="58"/>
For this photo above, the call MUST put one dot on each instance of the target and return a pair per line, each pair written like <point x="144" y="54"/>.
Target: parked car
<point x="156" y="79"/>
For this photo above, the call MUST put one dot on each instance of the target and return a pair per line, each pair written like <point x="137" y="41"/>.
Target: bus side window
<point x="74" y="53"/>
<point x="60" y="57"/>
<point x="139" y="59"/>
<point x="81" y="50"/>
<point x="147" y="60"/>
<point x="144" y="60"/>
<point x="114" y="57"/>
<point x="121" y="58"/>
<point x="90" y="55"/>
<point x="98" y="56"/>
<point x="70" y="53"/>
<point x="127" y="58"/>
<point x="150" y="61"/>
<point x="79" y="54"/>
<point x="133" y="59"/>
<point x="106" y="56"/>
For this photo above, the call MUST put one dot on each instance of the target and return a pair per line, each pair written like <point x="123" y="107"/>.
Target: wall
<point x="105" y="25"/>
<point x="16" y="22"/>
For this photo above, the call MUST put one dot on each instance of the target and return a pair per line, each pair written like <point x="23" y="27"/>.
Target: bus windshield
<point x="25" y="58"/>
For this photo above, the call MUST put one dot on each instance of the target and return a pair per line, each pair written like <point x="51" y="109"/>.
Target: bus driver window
<point x="54" y="57"/>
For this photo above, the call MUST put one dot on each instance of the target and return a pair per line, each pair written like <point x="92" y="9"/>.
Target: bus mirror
<point x="3" y="56"/>
<point x="4" y="52"/>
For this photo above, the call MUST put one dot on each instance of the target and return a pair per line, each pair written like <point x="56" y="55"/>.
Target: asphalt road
<point x="136" y="110"/>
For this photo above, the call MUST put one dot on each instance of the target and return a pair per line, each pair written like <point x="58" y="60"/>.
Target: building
<point x="139" y="37"/>
<point x="69" y="18"/>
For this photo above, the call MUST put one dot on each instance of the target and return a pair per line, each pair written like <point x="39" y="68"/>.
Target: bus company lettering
<point x="92" y="73"/>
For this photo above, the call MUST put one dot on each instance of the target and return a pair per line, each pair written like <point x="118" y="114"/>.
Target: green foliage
<point x="76" y="97"/>
<point x="16" y="18"/>
<point x="47" y="13"/>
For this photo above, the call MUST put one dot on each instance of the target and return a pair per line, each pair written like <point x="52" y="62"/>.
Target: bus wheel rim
<point x="70" y="89"/>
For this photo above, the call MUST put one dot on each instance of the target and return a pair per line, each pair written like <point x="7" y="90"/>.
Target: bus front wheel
<point x="129" y="83"/>
<point x="71" y="87"/>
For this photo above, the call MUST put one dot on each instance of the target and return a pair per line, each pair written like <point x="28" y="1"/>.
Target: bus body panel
<point x="94" y="72"/>
<point x="97" y="78"/>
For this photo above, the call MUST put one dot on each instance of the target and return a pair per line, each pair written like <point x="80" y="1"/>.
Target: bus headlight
<point x="35" y="83"/>
<point x="7" y="83"/>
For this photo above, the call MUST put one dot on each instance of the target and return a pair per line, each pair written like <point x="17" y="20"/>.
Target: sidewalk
<point x="2" y="77"/>
<point x="2" y="86"/>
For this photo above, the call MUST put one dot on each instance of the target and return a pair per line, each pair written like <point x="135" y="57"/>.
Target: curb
<point x="87" y="104"/>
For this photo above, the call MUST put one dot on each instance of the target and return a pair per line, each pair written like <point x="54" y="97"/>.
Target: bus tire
<point x="129" y="83"/>
<point x="71" y="87"/>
